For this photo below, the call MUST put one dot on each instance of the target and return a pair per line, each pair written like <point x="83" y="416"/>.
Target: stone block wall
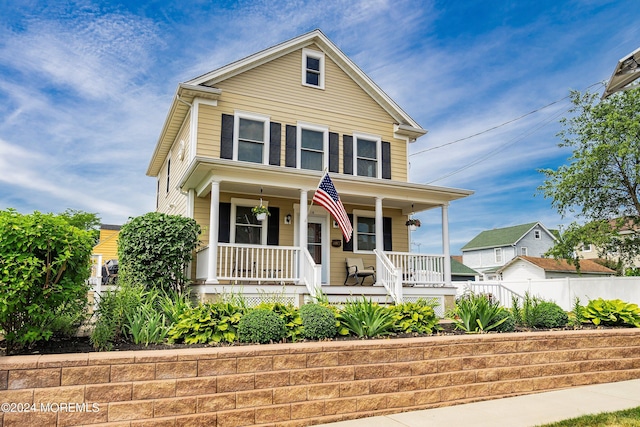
<point x="304" y="383"/>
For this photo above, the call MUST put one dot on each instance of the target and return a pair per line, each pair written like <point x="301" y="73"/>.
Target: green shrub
<point x="67" y="321"/>
<point x="157" y="248"/>
<point x="576" y="316"/>
<point x="365" y="319"/>
<point x="416" y="317"/>
<point x="612" y="313"/>
<point x="509" y="324"/>
<point x="44" y="263"/>
<point x="207" y="323"/>
<point x="549" y="315"/>
<point x="115" y="308"/>
<point x="261" y="326"/>
<point x="290" y="315"/>
<point x="477" y="313"/>
<point x="318" y="321"/>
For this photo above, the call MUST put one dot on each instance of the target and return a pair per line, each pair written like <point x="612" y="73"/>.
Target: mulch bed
<point x="83" y="344"/>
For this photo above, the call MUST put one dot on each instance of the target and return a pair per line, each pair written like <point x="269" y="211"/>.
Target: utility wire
<point x="501" y="147"/>
<point x="502" y="124"/>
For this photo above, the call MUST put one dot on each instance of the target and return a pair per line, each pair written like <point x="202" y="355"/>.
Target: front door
<point x="317" y="244"/>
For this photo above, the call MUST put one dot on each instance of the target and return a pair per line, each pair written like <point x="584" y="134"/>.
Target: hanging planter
<point x="260" y="212"/>
<point x="413" y="224"/>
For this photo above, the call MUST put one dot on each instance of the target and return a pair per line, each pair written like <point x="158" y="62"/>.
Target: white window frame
<point x="325" y="142"/>
<point x="524" y="251"/>
<point x="356" y="215"/>
<point x="168" y="183"/>
<point x="369" y="137"/>
<point x="236" y="132"/>
<point x="537" y="234"/>
<point x="247" y="203"/>
<point x="497" y="253"/>
<point x="587" y="247"/>
<point x="317" y="55"/>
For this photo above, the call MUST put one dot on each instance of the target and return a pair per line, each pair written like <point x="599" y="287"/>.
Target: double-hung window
<point x="313" y="141"/>
<point x="498" y="255"/>
<point x="364" y="232"/>
<point x="313" y="68"/>
<point x="251" y="133"/>
<point x="246" y="229"/>
<point x="367" y="155"/>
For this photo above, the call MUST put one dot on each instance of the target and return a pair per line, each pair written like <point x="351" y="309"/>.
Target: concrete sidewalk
<point x="521" y="411"/>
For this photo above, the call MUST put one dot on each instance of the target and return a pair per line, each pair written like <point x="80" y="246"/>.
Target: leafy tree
<point x="84" y="221"/>
<point x="601" y="182"/>
<point x="44" y="264"/>
<point x="157" y="249"/>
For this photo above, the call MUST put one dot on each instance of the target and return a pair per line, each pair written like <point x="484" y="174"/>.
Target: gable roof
<point x="499" y="237"/>
<point x="587" y="266"/>
<point x="204" y="86"/>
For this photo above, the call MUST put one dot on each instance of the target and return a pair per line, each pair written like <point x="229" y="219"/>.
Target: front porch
<point x="289" y="274"/>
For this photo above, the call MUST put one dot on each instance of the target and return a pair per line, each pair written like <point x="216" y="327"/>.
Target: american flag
<point x="327" y="197"/>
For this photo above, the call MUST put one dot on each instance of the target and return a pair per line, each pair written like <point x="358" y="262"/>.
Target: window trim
<point x="168" y="173"/>
<point x="235" y="202"/>
<point x="325" y="143"/>
<point x="524" y="251"/>
<point x="537" y="234"/>
<point x="357" y="214"/>
<point x="497" y="253"/>
<point x="368" y="137"/>
<point x="266" y="121"/>
<point x="317" y="55"/>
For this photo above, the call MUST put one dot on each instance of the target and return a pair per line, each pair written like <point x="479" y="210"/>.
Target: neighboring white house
<point x="533" y="268"/>
<point x="492" y="249"/>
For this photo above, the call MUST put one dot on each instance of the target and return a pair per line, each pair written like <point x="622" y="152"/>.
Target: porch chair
<point x="355" y="270"/>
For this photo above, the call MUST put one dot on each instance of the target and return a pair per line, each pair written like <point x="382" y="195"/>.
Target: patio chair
<point x="356" y="270"/>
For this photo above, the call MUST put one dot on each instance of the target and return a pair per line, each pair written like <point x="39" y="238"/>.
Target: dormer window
<point x="313" y="68"/>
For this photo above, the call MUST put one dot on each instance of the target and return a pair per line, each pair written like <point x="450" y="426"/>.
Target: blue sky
<point x="85" y="88"/>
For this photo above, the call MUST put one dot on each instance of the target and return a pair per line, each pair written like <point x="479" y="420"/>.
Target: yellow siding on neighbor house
<point x="107" y="245"/>
<point x="173" y="201"/>
<point x="274" y="89"/>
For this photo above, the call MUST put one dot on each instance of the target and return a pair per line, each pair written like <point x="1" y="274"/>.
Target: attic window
<point x="313" y="68"/>
<point x="536" y="234"/>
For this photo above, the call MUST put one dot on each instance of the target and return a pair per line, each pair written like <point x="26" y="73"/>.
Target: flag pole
<point x="317" y="186"/>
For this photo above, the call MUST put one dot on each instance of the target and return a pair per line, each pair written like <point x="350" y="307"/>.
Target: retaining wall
<point x="304" y="383"/>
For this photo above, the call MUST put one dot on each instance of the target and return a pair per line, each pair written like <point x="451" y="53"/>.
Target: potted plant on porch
<point x="260" y="212"/>
<point x="412" y="223"/>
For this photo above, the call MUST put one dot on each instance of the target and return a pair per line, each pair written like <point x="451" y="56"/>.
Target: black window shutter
<point x="386" y="233"/>
<point x="224" y="222"/>
<point x="273" y="227"/>
<point x="334" y="155"/>
<point x="386" y="160"/>
<point x="275" y="135"/>
<point x="226" y="137"/>
<point x="347" y="148"/>
<point x="348" y="246"/>
<point x="290" y="153"/>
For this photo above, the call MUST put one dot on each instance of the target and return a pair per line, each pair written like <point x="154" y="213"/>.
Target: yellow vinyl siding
<point x="174" y="202"/>
<point x="107" y="245"/>
<point x="342" y="105"/>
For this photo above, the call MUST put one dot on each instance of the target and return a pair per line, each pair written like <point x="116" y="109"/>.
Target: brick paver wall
<point x="304" y="383"/>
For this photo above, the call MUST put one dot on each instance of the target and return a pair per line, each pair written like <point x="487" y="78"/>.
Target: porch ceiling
<point x="278" y="181"/>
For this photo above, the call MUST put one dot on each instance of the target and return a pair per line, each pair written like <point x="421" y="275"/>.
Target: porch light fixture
<point x="287" y="219"/>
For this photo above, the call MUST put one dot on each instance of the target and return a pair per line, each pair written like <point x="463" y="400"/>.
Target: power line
<point x="500" y="125"/>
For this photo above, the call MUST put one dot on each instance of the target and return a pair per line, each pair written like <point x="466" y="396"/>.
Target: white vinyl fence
<point x="561" y="291"/>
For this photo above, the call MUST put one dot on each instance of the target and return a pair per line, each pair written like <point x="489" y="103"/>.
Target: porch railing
<point x="389" y="276"/>
<point x="419" y="269"/>
<point x="310" y="274"/>
<point x="252" y="263"/>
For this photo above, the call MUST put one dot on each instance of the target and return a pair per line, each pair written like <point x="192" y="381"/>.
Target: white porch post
<point x="214" y="216"/>
<point x="445" y="244"/>
<point x="303" y="230"/>
<point x="379" y="232"/>
<point x="304" y="218"/>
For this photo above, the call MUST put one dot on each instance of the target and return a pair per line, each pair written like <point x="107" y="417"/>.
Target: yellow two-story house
<point x="263" y="130"/>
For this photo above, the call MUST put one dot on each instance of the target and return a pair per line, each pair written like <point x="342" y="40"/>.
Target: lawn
<point x="626" y="418"/>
